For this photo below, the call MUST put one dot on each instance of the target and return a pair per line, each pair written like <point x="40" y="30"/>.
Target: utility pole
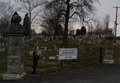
<point x="116" y="21"/>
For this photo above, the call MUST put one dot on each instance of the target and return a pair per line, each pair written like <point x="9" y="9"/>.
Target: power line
<point x="116" y="21"/>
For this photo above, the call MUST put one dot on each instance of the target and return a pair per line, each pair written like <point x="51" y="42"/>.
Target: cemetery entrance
<point x="50" y="55"/>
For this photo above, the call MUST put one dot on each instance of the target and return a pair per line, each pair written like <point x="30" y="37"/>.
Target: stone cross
<point x="15" y="33"/>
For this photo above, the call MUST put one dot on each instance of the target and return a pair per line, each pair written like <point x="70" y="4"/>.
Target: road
<point x="103" y="74"/>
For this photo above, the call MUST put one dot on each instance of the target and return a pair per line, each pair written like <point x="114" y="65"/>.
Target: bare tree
<point x="48" y="26"/>
<point x="106" y="23"/>
<point x="53" y="18"/>
<point x="99" y="28"/>
<point x="90" y="29"/>
<point x="80" y="8"/>
<point x="102" y="26"/>
<point x="6" y="8"/>
<point x="6" y="11"/>
<point x="32" y="7"/>
<point x="4" y="22"/>
<point x="71" y="29"/>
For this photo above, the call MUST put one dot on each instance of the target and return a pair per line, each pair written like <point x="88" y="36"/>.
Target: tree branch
<point x="36" y="14"/>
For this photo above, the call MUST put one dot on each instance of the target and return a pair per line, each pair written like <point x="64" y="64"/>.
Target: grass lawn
<point x="87" y="57"/>
<point x="117" y="53"/>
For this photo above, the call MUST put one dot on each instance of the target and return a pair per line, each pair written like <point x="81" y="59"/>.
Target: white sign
<point x="67" y="53"/>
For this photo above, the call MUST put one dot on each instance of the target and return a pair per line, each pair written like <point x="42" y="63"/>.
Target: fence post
<point x="15" y="33"/>
<point x="34" y="63"/>
<point x="61" y="64"/>
<point x="100" y="55"/>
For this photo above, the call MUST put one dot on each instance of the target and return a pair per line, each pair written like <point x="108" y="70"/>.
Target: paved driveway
<point x="103" y="74"/>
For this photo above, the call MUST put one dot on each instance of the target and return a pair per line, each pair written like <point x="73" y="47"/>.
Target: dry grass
<point x="86" y="58"/>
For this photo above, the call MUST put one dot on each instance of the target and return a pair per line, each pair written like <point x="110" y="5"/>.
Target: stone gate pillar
<point x="109" y="48"/>
<point x="15" y="33"/>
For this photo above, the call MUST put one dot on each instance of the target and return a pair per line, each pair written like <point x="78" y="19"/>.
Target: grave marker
<point x="43" y="60"/>
<point x="52" y="58"/>
<point x="39" y="53"/>
<point x="31" y="53"/>
<point x="3" y="49"/>
<point x="37" y="47"/>
<point x="45" y="48"/>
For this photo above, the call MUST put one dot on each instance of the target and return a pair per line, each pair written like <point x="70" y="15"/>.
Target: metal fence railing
<point x="36" y="58"/>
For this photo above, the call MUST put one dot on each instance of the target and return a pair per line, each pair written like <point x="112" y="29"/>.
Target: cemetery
<point x="25" y="57"/>
<point x="88" y="55"/>
<point x="25" y="54"/>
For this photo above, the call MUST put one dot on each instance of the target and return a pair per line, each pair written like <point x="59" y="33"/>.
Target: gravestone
<point x="15" y="33"/>
<point x="43" y="60"/>
<point x="3" y="49"/>
<point x="37" y="42"/>
<point x="32" y="38"/>
<point x="54" y="46"/>
<point x="49" y="50"/>
<point x="52" y="58"/>
<point x="37" y="47"/>
<point x="39" y="53"/>
<point x="109" y="48"/>
<point x="31" y="53"/>
<point x="45" y="48"/>
<point x="54" y="43"/>
<point x="45" y="40"/>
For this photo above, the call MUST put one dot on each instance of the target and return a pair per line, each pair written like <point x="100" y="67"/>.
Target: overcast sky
<point x="106" y="7"/>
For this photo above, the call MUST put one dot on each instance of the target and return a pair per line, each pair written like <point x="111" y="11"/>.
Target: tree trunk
<point x="30" y="19"/>
<point x="66" y="24"/>
<point x="55" y="33"/>
<point x="55" y="29"/>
